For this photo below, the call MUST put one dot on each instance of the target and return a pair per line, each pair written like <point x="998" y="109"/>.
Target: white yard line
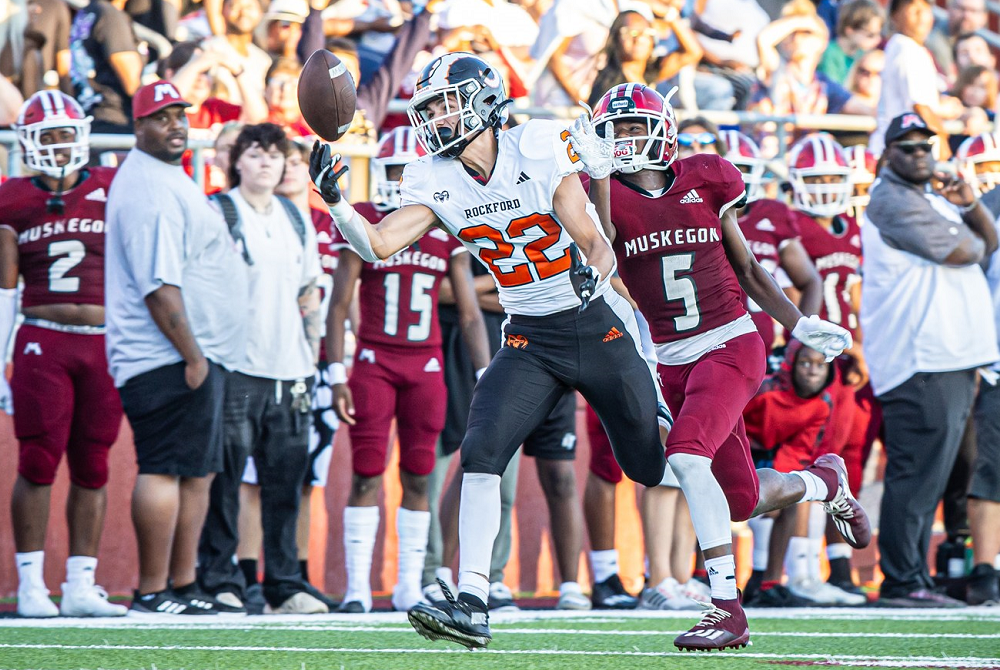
<point x="870" y="660"/>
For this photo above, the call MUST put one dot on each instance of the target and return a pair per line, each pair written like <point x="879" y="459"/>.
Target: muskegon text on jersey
<point x="670" y="238"/>
<point x="61" y="227"/>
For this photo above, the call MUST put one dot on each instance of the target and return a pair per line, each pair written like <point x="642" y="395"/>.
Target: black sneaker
<point x="777" y="596"/>
<point x="983" y="587"/>
<point x="166" y="602"/>
<point x="201" y="600"/>
<point x="254" y="599"/>
<point x="848" y="586"/>
<point x="611" y="595"/>
<point x="923" y="598"/>
<point x="752" y="587"/>
<point x="465" y="621"/>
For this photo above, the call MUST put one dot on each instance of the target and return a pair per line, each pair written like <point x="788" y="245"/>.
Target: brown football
<point x="327" y="97"/>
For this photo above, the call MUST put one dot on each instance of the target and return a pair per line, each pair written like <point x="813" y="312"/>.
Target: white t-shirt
<point x="509" y="223"/>
<point x="277" y="347"/>
<point x="587" y="23"/>
<point x="731" y="16"/>
<point x="510" y="25"/>
<point x="256" y="64"/>
<point x="161" y="229"/>
<point x="919" y="315"/>
<point x="909" y="78"/>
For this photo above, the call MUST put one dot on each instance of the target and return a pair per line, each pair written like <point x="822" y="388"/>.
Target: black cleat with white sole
<point x="465" y="621"/>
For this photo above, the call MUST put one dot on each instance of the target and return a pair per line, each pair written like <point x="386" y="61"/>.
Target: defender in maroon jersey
<point x="681" y="255"/>
<point x="64" y="401"/>
<point x="397" y="374"/>
<point x="769" y="227"/>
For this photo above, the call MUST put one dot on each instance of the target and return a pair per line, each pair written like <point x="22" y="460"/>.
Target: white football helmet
<point x="819" y="155"/>
<point x="48" y="110"/>
<point x="744" y="153"/>
<point x="398" y="147"/>
<point x="863" y="163"/>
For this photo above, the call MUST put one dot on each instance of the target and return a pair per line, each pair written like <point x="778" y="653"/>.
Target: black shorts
<point x="596" y="352"/>
<point x="986" y="472"/>
<point x="555" y="439"/>
<point x="177" y="431"/>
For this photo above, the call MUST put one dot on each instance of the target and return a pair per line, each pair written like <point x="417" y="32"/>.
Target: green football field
<point x="539" y="639"/>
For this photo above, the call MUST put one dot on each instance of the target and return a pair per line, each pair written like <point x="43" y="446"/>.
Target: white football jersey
<point x="509" y="223"/>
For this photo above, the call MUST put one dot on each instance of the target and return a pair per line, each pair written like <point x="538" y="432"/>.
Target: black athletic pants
<point x="597" y="353"/>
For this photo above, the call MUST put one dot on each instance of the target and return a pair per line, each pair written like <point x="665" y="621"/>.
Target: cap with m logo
<point x="151" y="98"/>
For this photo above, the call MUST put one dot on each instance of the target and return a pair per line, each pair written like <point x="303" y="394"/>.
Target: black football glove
<point x="321" y="170"/>
<point x="583" y="277"/>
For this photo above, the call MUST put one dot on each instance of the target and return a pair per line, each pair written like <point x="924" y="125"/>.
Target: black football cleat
<point x="465" y="621"/>
<point x="611" y="595"/>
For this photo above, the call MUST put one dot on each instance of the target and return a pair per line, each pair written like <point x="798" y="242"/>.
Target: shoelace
<point x="712" y="615"/>
<point x="447" y="592"/>
<point x="839" y="506"/>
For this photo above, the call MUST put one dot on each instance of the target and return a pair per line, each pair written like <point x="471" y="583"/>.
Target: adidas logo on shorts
<point x="691" y="197"/>
<point x="613" y="334"/>
<point x="433" y="365"/>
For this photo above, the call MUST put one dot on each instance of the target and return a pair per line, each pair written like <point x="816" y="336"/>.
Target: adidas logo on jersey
<point x="433" y="365"/>
<point x="97" y="196"/>
<point x="523" y="178"/>
<point x="691" y="197"/>
<point x="613" y="334"/>
<point x="765" y="224"/>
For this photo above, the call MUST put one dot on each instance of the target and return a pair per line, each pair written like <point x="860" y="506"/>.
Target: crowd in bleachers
<point x="237" y="64"/>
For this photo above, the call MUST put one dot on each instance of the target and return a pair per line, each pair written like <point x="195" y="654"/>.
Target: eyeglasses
<point x="687" y="139"/>
<point x="865" y="72"/>
<point x="911" y="147"/>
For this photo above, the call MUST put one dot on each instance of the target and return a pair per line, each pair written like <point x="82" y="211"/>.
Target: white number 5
<point x="73" y="251"/>
<point x="681" y="288"/>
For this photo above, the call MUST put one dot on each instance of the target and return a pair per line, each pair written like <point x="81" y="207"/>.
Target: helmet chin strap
<point x="55" y="204"/>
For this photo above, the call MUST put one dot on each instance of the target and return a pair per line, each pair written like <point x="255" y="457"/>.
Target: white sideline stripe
<point x="337" y="628"/>
<point x="897" y="661"/>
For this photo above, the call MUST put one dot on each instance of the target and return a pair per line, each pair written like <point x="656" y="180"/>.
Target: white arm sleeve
<point x="8" y="315"/>
<point x="352" y="228"/>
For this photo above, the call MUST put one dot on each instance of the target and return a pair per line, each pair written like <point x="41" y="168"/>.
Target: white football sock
<point x="569" y="587"/>
<point x="445" y="575"/>
<point x="360" y="529"/>
<point x="797" y="559"/>
<point x="30" y="565"/>
<point x="411" y="529"/>
<point x="80" y="570"/>
<point x="817" y="521"/>
<point x="815" y="487"/>
<point x="708" y="504"/>
<point x="722" y="576"/>
<point x="604" y="564"/>
<point x="815" y="549"/>
<point x="838" y="550"/>
<point x="761" y="527"/>
<point x="478" y="525"/>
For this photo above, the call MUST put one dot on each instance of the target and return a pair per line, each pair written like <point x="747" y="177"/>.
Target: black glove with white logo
<point x="322" y="162"/>
<point x="583" y="277"/>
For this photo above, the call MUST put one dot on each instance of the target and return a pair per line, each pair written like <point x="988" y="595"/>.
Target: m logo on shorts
<point x="33" y="348"/>
<point x="367" y="355"/>
<point x="517" y="341"/>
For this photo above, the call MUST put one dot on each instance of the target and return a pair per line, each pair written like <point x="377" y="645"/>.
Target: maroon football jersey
<point x="837" y="256"/>
<point x="61" y="256"/>
<point x="398" y="299"/>
<point x="670" y="252"/>
<point x="766" y="225"/>
<point x="328" y="239"/>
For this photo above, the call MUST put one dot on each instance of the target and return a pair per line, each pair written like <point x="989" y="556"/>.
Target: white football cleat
<point x="666" y="596"/>
<point x="573" y="600"/>
<point x="824" y="593"/>
<point x="87" y="600"/>
<point x="696" y="590"/>
<point x="33" y="602"/>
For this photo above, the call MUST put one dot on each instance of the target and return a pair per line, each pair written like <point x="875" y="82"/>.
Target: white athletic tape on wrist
<point x="338" y="374"/>
<point x="8" y="314"/>
<point x="352" y="228"/>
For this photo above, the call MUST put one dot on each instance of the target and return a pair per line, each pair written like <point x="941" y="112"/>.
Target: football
<point x="327" y="97"/>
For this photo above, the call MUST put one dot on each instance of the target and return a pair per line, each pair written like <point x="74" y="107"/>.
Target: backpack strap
<point x="295" y="216"/>
<point x="232" y="216"/>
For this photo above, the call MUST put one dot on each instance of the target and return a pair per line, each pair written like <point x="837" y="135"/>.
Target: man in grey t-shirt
<point x="176" y="306"/>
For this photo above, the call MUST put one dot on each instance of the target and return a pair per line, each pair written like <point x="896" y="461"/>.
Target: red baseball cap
<point x="151" y="98"/>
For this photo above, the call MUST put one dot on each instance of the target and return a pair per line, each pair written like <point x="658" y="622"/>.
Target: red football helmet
<point x="978" y="159"/>
<point x="819" y="155"/>
<point x="398" y="147"/>
<point x="863" y="163"/>
<point x="44" y="111"/>
<point x="744" y="153"/>
<point x="655" y="150"/>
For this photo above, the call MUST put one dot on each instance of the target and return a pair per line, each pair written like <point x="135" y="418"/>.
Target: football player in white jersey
<point x="515" y="200"/>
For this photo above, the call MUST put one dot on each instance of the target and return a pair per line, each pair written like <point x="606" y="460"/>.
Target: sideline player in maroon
<point x="397" y="374"/>
<point x="52" y="235"/>
<point x="770" y="229"/>
<point x="822" y="189"/>
<point x="681" y="255"/>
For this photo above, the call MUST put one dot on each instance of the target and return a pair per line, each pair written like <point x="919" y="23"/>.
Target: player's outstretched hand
<point x="322" y="162"/>
<point x="583" y="277"/>
<point x="343" y="403"/>
<point x="596" y="152"/>
<point x="6" y="397"/>
<point x="827" y="338"/>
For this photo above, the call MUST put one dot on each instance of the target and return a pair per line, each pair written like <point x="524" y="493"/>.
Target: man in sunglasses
<point x="923" y="239"/>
